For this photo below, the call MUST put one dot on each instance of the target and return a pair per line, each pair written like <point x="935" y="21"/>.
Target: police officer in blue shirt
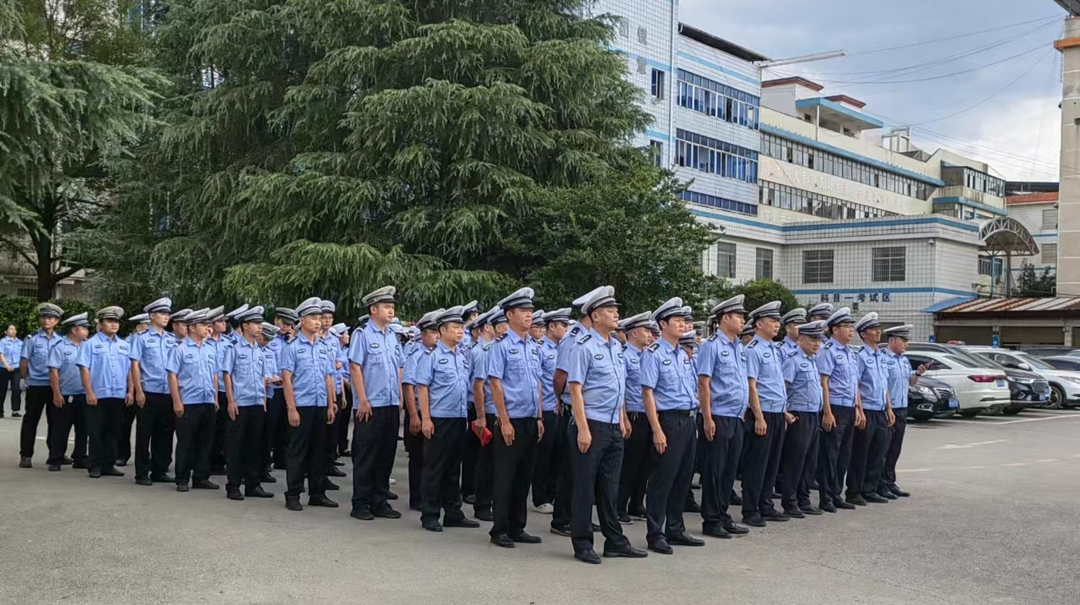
<point x="154" y="410"/>
<point x="10" y="351"/>
<point x="799" y="459"/>
<point x="596" y="379"/>
<point x="338" y="433"/>
<point x="413" y="438"/>
<point x="723" y="399"/>
<point x="177" y="325"/>
<point x="376" y="362"/>
<point x="637" y="461"/>
<point x="105" y="369"/>
<point x="514" y="379"/>
<point x="220" y="337"/>
<point x="901" y="377"/>
<point x="442" y="379"/>
<point x="790" y="323"/>
<point x="768" y="403"/>
<point x="545" y="473"/>
<point x="669" y="397"/>
<point x="69" y="397"/>
<point x="820" y="312"/>
<point x="245" y="375"/>
<point x="307" y="374"/>
<point x="472" y="311"/>
<point x="482" y="334"/>
<point x="870" y="442"/>
<point x="485" y="422"/>
<point x="275" y="434"/>
<point x="536" y="330"/>
<point x="840" y="411"/>
<point x="192" y="371"/>
<point x="34" y="368"/>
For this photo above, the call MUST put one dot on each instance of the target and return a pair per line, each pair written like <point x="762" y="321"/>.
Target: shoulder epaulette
<point x="291" y="339"/>
<point x="713" y="337"/>
<point x="828" y="345"/>
<point x="653" y="347"/>
<point x="500" y="337"/>
<point x="429" y="351"/>
<point x="584" y="339"/>
<point x="488" y="345"/>
<point x="752" y="344"/>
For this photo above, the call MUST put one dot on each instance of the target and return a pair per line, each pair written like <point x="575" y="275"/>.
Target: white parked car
<point x="978" y="389"/>
<point x="1064" y="384"/>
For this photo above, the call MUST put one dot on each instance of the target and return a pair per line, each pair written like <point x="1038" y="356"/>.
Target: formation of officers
<point x="598" y="413"/>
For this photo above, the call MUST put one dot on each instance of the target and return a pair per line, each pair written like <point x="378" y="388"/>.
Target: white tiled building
<point x="809" y="189"/>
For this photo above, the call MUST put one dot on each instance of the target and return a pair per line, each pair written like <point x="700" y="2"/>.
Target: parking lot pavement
<point x="993" y="519"/>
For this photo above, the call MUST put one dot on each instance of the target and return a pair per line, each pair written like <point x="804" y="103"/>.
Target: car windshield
<point x="980" y="361"/>
<point x="961" y="361"/>
<point x="1035" y="362"/>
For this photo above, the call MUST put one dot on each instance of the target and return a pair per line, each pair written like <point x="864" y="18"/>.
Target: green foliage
<point x="761" y="291"/>
<point x="456" y="150"/>
<point x="22" y="312"/>
<point x="1033" y="284"/>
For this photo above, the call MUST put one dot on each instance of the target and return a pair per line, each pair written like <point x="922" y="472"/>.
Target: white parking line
<point x="970" y="445"/>
<point x="1054" y="417"/>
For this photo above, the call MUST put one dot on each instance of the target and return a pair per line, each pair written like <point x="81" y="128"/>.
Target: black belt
<point x="680" y="413"/>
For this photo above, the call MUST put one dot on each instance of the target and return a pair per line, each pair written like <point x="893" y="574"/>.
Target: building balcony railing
<point x="970" y="194"/>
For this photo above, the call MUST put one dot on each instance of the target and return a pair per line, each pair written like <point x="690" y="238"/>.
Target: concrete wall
<point x="1068" y="262"/>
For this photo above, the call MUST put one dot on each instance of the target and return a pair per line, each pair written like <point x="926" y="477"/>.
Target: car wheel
<point x="1057" y="397"/>
<point x="969" y="413"/>
<point x="1012" y="412"/>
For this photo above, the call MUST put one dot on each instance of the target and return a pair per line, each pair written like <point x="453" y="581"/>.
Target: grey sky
<point x="1006" y="114"/>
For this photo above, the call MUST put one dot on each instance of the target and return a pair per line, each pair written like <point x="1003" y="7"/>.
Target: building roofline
<point x="1031" y="198"/>
<point x="793" y="80"/>
<point x="720" y="44"/>
<point x="846" y="99"/>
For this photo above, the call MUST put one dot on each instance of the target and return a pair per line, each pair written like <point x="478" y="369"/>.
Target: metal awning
<point x="1005" y="235"/>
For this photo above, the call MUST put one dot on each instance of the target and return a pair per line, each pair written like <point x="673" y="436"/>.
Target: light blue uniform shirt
<point x="873" y="378"/>
<point x="599" y="366"/>
<point x="549" y="352"/>
<point x="379" y="356"/>
<point x="63" y="357"/>
<point x="788" y="347"/>
<point x="445" y="373"/>
<point x="195" y="367"/>
<point x="333" y="346"/>
<point x="35" y="350"/>
<point x="310" y="363"/>
<point x="632" y="357"/>
<point x="109" y="363"/>
<point x="724" y="362"/>
<point x="898" y="368"/>
<point x="218" y="345"/>
<point x="804" y="383"/>
<point x="838" y="363"/>
<point x="763" y="364"/>
<point x="275" y="346"/>
<point x="667" y="370"/>
<point x="271" y="368"/>
<point x="408" y="373"/>
<point x="471" y="352"/>
<point x="562" y="358"/>
<point x="11" y="348"/>
<point x="514" y="361"/>
<point x="151" y="350"/>
<point x="245" y="365"/>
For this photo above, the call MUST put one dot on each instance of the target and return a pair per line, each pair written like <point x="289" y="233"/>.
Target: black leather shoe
<point x="754" y="521"/>
<point x="874" y="499"/>
<point x="715" y="531"/>
<point x="899" y="493"/>
<point x="587" y="556"/>
<point x="322" y="501"/>
<point x="595" y="527"/>
<point x="563" y="531"/>
<point x="205" y="484"/>
<point x="25" y="463"/>
<point x="828" y="507"/>
<point x="122" y="462"/>
<point x="386" y="512"/>
<point x="431" y="526"/>
<point x="234" y="494"/>
<point x="524" y="538"/>
<point x="162" y="479"/>
<point x="810" y="510"/>
<point x="775" y="516"/>
<point x="329" y="485"/>
<point x="267" y="478"/>
<point x="502" y="540"/>
<point x="626" y="552"/>
<point x="257" y="492"/>
<point x="334" y="471"/>
<point x="843" y="504"/>
<point x="857" y="500"/>
<point x="484" y="515"/>
<point x="293" y="504"/>
<point x="182" y="487"/>
<point x="659" y="545"/>
<point x="469" y="499"/>
<point x="735" y="500"/>
<point x="54" y="468"/>
<point x="362" y="514"/>
<point x="692" y="507"/>
<point x="794" y="513"/>
<point x="339" y="462"/>
<point x="143" y="481"/>
<point x="461" y="522"/>
<point x="391" y="496"/>
<point x="684" y="539"/>
<point x="736" y="530"/>
<point x="112" y="472"/>
<point x="625" y="519"/>
<point x="65" y="461"/>
<point x="884" y="493"/>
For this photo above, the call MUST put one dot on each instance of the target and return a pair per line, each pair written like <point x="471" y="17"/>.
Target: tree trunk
<point x="46" y="281"/>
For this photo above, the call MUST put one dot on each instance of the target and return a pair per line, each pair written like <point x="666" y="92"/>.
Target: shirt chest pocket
<point x="668" y="373"/>
<point x="39" y="352"/>
<point x="516" y="365"/>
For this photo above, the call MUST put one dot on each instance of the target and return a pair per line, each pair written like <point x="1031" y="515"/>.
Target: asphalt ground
<point x="993" y="519"/>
